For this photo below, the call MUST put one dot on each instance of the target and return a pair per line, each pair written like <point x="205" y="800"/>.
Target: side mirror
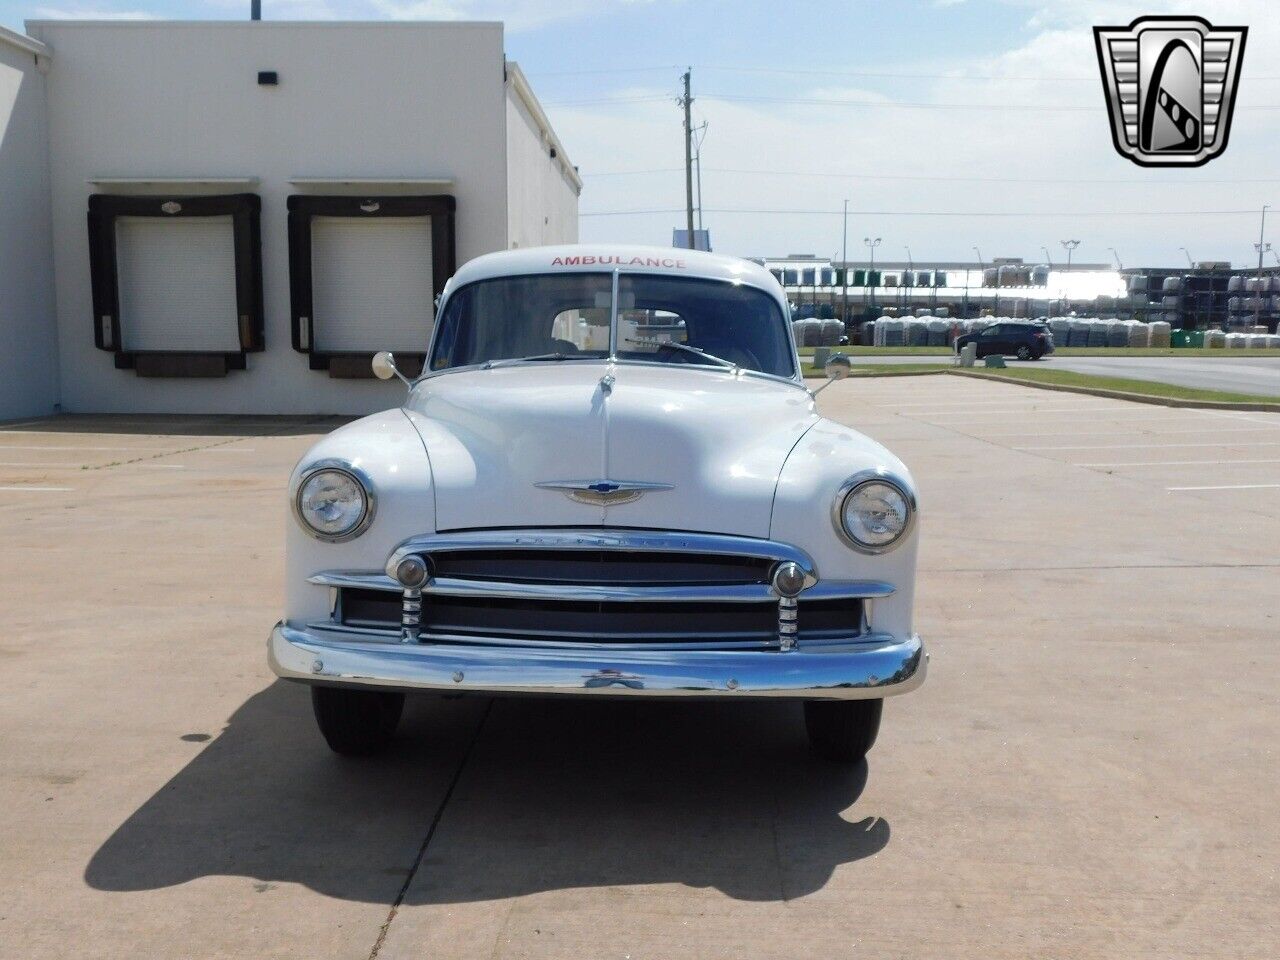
<point x="836" y="368"/>
<point x="384" y="367"/>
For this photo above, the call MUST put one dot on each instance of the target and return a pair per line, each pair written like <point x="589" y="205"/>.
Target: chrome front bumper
<point x="869" y="667"/>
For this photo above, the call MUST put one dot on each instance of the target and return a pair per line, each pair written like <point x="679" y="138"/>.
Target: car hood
<point x="713" y="443"/>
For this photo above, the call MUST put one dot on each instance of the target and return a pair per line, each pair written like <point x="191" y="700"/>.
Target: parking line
<point x="42" y="446"/>
<point x="1135" y="446"/>
<point x="39" y="489"/>
<point x="1176" y="463"/>
<point x="1233" y="486"/>
<point x="42" y="466"/>
<point x="1126" y="433"/>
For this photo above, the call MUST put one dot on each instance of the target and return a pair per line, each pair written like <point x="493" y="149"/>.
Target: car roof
<point x="605" y="258"/>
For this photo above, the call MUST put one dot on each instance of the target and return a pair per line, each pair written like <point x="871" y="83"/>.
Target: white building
<point x="231" y="217"/>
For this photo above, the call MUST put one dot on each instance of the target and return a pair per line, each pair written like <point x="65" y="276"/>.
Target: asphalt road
<point x="1089" y="771"/>
<point x="1257" y="375"/>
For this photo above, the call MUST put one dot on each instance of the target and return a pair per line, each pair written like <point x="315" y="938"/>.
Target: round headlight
<point x="333" y="504"/>
<point x="873" y="514"/>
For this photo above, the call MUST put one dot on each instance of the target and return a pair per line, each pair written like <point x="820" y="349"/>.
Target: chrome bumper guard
<point x="868" y="667"/>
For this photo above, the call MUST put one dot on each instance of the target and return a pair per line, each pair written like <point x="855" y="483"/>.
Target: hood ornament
<point x="602" y="493"/>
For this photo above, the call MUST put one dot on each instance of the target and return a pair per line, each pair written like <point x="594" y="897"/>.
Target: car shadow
<point x="549" y="794"/>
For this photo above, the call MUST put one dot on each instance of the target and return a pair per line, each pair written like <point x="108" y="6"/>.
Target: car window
<point x="990" y="332"/>
<point x="734" y="322"/>
<point x="566" y="316"/>
<point x="528" y="316"/>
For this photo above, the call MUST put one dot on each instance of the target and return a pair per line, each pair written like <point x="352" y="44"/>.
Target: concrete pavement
<point x="1089" y="772"/>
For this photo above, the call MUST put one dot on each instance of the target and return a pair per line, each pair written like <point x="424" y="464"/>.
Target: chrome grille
<point x="639" y="589"/>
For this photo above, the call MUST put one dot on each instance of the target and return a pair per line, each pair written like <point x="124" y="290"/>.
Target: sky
<point x="946" y="124"/>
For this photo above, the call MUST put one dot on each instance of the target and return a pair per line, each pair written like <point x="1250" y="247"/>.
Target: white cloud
<point x="517" y="15"/>
<point x="1049" y="163"/>
<point x="91" y="13"/>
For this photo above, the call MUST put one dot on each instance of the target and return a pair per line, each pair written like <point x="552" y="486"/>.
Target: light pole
<point x="1260" y="246"/>
<point x="844" y="271"/>
<point x="1047" y="259"/>
<point x="911" y="272"/>
<point x="982" y="271"/>
<point x="1190" y="262"/>
<point x="1069" y="246"/>
<point x="871" y="267"/>
<point x="1119" y="265"/>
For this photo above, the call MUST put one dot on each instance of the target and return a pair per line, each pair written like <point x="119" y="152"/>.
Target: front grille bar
<point x="710" y="593"/>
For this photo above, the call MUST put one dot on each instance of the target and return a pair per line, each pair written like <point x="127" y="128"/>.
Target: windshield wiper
<point x="687" y="348"/>
<point x="539" y="356"/>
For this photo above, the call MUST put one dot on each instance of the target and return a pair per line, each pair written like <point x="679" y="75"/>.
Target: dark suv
<point x="1024" y="340"/>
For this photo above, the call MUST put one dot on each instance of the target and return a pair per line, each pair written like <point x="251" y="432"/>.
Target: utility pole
<point x="1260" y="246"/>
<point x="688" y="156"/>
<point x="844" y="271"/>
<point x="697" y="166"/>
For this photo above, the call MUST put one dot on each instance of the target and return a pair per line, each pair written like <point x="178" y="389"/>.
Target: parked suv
<point x="1025" y="340"/>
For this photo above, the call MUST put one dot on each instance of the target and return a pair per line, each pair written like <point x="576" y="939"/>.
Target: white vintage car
<point x="610" y="480"/>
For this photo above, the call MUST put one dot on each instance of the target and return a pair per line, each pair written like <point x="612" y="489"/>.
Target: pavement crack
<point x="431" y="832"/>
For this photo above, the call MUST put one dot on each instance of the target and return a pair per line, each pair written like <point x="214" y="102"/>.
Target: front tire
<point x="356" y="723"/>
<point x="842" y="730"/>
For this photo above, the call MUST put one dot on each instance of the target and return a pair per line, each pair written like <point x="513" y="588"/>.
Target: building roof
<point x="23" y="42"/>
<point x="520" y="84"/>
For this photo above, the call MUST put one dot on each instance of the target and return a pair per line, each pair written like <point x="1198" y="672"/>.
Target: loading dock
<point x="190" y="290"/>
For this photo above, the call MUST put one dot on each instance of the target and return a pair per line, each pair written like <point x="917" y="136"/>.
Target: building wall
<point x="385" y="100"/>
<point x="542" y="193"/>
<point x="28" y="345"/>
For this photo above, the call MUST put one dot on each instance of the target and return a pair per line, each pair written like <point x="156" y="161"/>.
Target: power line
<point x="573" y="103"/>
<point x="859" y="175"/>
<point x="871" y="74"/>
<point x="836" y="102"/>
<point x="929" y="213"/>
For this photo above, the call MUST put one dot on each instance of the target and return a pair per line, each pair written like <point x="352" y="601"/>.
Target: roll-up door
<point x="177" y="284"/>
<point x="372" y="283"/>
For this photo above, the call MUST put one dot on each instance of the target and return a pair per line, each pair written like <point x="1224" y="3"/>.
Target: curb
<point x="1122" y="394"/>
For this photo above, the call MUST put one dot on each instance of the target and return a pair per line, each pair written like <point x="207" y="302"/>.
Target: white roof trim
<point x="172" y="181"/>
<point x="520" y="83"/>
<point x="23" y="42"/>
<point x="372" y="181"/>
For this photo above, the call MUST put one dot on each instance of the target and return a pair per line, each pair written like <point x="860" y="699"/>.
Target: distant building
<point x="1006" y="286"/>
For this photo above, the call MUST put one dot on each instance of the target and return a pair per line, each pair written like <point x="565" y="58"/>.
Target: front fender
<point x="827" y="456"/>
<point x="387" y="449"/>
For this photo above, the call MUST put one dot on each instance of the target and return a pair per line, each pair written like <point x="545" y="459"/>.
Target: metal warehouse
<point x="233" y="217"/>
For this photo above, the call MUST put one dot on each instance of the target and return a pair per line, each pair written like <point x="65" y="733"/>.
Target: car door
<point x="989" y="341"/>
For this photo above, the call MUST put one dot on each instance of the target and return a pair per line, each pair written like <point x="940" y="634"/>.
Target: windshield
<point x="559" y="317"/>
